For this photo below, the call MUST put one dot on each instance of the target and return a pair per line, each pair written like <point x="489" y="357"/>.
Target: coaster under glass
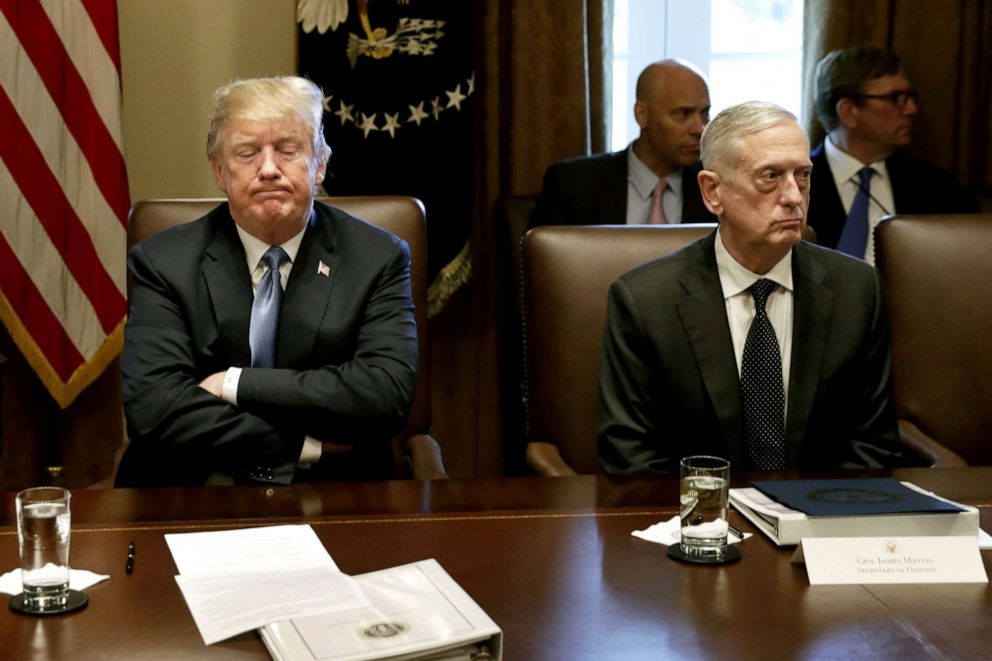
<point x="732" y="554"/>
<point x="74" y="601"/>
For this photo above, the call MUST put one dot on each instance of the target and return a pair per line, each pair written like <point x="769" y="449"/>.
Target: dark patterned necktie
<point x="761" y="387"/>
<point x="854" y="237"/>
<point x="265" y="310"/>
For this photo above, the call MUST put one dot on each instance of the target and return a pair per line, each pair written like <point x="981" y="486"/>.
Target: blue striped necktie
<point x="265" y="310"/>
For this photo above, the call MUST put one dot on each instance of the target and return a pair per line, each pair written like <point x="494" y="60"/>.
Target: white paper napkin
<point x="79" y="579"/>
<point x="670" y="532"/>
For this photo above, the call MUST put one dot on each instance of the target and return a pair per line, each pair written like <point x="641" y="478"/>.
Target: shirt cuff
<point x="230" y="389"/>
<point x="310" y="454"/>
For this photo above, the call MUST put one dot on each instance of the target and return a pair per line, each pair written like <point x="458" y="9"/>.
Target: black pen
<point x="129" y="565"/>
<point x="736" y="532"/>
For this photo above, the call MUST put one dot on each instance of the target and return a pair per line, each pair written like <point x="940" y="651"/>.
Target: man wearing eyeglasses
<point x="867" y="106"/>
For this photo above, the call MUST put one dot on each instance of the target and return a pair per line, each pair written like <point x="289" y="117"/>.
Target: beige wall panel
<point x="174" y="53"/>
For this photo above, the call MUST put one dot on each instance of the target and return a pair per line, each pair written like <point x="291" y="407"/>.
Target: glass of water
<point x="703" y="510"/>
<point x="43" y="522"/>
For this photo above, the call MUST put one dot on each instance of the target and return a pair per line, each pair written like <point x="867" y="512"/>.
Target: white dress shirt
<point x="640" y="186"/>
<point x="844" y="169"/>
<point x="254" y="250"/>
<point x="735" y="280"/>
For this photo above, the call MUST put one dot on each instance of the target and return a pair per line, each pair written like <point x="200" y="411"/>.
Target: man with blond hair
<point x="749" y="344"/>
<point x="273" y="339"/>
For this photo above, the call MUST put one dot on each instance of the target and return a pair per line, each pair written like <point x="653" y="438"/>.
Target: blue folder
<point x="851" y="497"/>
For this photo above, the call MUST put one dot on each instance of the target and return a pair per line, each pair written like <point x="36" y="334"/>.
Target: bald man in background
<point x="654" y="179"/>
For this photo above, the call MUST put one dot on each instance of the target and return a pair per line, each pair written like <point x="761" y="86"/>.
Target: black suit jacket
<point x="668" y="380"/>
<point x="346" y="356"/>
<point x="917" y="187"/>
<point x="593" y="191"/>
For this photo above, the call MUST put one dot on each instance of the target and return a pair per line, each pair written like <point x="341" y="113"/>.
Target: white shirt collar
<point x="845" y="167"/>
<point x="255" y="248"/>
<point x="735" y="278"/>
<point x="644" y="180"/>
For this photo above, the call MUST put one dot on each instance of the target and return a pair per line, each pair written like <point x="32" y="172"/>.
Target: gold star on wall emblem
<point x="368" y="124"/>
<point x="417" y="114"/>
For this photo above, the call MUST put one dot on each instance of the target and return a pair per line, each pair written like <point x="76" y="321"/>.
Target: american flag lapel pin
<point x="324" y="270"/>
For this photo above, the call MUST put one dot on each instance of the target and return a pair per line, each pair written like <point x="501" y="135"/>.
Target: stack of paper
<point x="282" y="581"/>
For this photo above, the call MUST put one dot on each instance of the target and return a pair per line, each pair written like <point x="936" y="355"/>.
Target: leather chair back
<point x="402" y="216"/>
<point x="567" y="275"/>
<point x="937" y="272"/>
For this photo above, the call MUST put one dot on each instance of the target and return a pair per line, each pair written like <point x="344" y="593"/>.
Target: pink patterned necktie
<point x="657" y="216"/>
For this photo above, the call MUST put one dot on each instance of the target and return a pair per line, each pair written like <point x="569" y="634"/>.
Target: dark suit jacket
<point x="346" y="356"/>
<point x="593" y="191"/>
<point x="917" y="187"/>
<point x="668" y="380"/>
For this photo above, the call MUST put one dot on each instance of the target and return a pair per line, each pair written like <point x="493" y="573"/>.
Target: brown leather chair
<point x="512" y="215"/>
<point x="567" y="273"/>
<point x="415" y="452"/>
<point x="937" y="272"/>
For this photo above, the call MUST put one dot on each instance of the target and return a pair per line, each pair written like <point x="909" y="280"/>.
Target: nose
<point x="267" y="167"/>
<point x="697" y="125"/>
<point x="910" y="108"/>
<point x="792" y="194"/>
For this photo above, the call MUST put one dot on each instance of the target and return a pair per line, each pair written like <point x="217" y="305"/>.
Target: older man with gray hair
<point x="273" y="339"/>
<point x="749" y="344"/>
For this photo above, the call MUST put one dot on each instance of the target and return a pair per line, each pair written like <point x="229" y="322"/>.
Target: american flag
<point x="63" y="188"/>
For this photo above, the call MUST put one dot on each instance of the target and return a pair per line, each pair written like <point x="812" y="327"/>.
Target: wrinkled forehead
<point x="895" y="82"/>
<point x="237" y="131"/>
<point x="782" y="145"/>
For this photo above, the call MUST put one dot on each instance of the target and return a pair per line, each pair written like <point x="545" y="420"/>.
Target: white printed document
<point x="238" y="580"/>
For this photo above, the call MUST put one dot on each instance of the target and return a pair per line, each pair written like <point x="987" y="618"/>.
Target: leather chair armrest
<point x="424" y="454"/>
<point x="545" y="459"/>
<point x="920" y="445"/>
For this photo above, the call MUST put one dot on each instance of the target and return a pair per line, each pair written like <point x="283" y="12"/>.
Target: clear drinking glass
<point x="704" y="487"/>
<point x="43" y="522"/>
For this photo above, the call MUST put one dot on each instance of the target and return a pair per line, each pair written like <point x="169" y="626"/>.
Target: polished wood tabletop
<point x="550" y="559"/>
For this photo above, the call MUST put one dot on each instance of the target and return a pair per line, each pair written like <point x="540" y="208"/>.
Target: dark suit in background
<point x="346" y="360"/>
<point x="918" y="187"/>
<point x="593" y="191"/>
<point x="669" y="385"/>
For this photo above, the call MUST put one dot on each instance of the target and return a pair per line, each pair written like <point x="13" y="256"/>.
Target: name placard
<point x="864" y="560"/>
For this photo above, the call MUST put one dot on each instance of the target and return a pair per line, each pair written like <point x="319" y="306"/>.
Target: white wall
<point x="174" y="53"/>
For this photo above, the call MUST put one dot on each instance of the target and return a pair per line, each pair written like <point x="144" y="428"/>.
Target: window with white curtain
<point x="749" y="49"/>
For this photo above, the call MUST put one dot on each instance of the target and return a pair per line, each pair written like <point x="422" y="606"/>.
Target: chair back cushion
<point x="402" y="216"/>
<point x="938" y="273"/>
<point x="568" y="271"/>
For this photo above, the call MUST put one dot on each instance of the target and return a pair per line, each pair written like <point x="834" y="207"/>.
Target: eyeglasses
<point x="899" y="99"/>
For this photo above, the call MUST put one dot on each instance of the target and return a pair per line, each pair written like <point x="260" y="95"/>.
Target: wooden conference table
<point x="550" y="559"/>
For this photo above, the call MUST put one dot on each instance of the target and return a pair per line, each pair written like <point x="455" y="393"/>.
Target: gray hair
<point x="720" y="142"/>
<point x="269" y="99"/>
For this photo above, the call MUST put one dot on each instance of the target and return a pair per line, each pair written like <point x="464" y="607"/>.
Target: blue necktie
<point x="762" y="390"/>
<point x="854" y="237"/>
<point x="265" y="310"/>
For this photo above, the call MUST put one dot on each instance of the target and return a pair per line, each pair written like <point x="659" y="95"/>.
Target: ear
<point x="847" y="112"/>
<point x="712" y="191"/>
<point x="641" y="114"/>
<point x="218" y="170"/>
<point x="320" y="174"/>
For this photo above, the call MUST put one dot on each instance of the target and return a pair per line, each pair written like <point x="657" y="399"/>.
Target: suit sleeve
<point x="875" y="435"/>
<point x="628" y="438"/>
<point x="368" y="396"/>
<point x="167" y="412"/>
<point x="553" y="206"/>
